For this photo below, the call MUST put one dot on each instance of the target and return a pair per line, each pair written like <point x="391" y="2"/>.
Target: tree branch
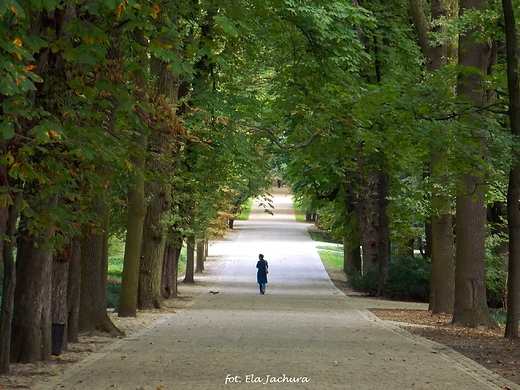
<point x="260" y="129"/>
<point x="466" y="112"/>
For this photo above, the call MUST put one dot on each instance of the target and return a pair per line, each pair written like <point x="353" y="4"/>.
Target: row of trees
<point x="151" y="120"/>
<point x="117" y="118"/>
<point x="420" y="140"/>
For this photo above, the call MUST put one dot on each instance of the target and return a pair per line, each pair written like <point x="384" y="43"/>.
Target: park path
<point x="303" y="329"/>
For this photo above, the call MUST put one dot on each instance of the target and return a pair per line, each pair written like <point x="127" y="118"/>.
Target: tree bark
<point x="442" y="275"/>
<point x="170" y="271"/>
<point x="384" y="232"/>
<point x="136" y="201"/>
<point x="470" y="308"/>
<point x="351" y="255"/>
<point x="190" y="260"/>
<point x="153" y="246"/>
<point x="200" y="257"/>
<point x="513" y="193"/>
<point x="60" y="275"/>
<point x="134" y="239"/>
<point x="351" y="241"/>
<point x="93" y="313"/>
<point x="73" y="290"/>
<point x="442" y="279"/>
<point x="9" y="281"/>
<point x="158" y="190"/>
<point x="373" y="225"/>
<point x="31" y="329"/>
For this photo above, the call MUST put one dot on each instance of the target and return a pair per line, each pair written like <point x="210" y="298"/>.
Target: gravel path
<point x="302" y="334"/>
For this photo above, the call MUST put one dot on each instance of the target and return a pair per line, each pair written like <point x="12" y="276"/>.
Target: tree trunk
<point x="470" y="308"/>
<point x="442" y="276"/>
<point x="9" y="281"/>
<point x="170" y="271"/>
<point x="134" y="239"/>
<point x="351" y="255"/>
<point x="190" y="260"/>
<point x="60" y="275"/>
<point x="513" y="193"/>
<point x="73" y="293"/>
<point x="161" y="145"/>
<point x="136" y="199"/>
<point x="93" y="313"/>
<point x="384" y="233"/>
<point x="200" y="257"/>
<point x="31" y="329"/>
<point x="351" y="241"/>
<point x="373" y="225"/>
<point x="153" y="246"/>
<point x="442" y="279"/>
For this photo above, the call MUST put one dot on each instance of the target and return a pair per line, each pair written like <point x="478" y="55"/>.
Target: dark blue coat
<point x="261" y="276"/>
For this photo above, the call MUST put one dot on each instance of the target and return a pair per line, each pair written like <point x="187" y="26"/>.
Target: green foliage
<point x="331" y="257"/>
<point x="245" y="210"/>
<point x="113" y="291"/>
<point x="365" y="103"/>
<point x="499" y="315"/>
<point x="408" y="279"/>
<point x="115" y="267"/>
<point x="323" y="236"/>
<point x="496" y="271"/>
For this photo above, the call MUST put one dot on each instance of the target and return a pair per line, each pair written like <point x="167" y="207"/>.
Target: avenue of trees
<point x="157" y="120"/>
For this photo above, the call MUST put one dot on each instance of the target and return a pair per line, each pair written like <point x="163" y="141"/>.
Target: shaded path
<point x="303" y="327"/>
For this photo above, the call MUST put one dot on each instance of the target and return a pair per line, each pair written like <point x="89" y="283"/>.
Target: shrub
<point x="496" y="272"/>
<point x="113" y="289"/>
<point x="408" y="279"/>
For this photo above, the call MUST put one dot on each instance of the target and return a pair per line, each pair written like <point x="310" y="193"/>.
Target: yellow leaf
<point x="111" y="371"/>
<point x="17" y="42"/>
<point x="118" y="11"/>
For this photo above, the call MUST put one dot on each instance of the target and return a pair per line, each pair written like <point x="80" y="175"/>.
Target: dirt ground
<point x="25" y="376"/>
<point x="488" y="348"/>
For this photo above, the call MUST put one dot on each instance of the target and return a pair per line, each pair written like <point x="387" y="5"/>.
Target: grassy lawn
<point x="299" y="212"/>
<point x="116" y="254"/>
<point x="331" y="256"/>
<point x="245" y="210"/>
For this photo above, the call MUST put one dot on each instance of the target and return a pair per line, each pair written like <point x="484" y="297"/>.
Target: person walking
<point x="261" y="274"/>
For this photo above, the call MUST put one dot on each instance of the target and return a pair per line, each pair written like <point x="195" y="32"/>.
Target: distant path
<point x="303" y="329"/>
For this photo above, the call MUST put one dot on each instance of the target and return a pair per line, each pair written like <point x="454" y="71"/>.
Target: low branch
<point x="466" y="112"/>
<point x="330" y="197"/>
<point x="260" y="129"/>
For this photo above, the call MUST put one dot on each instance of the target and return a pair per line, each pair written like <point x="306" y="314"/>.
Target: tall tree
<point x="9" y="270"/>
<point x="470" y="308"/>
<point x="31" y="326"/>
<point x="513" y="193"/>
<point x="128" y="299"/>
<point x="94" y="268"/>
<point x="442" y="277"/>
